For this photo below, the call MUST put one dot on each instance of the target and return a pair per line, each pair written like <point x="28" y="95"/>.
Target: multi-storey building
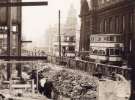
<point x="10" y="33"/>
<point x="108" y="17"/>
<point x="15" y="32"/>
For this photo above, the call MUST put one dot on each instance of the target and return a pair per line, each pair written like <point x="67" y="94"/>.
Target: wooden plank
<point x="21" y="86"/>
<point x="24" y="58"/>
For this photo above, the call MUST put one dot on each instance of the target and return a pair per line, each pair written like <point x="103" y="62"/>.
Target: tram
<point x="106" y="48"/>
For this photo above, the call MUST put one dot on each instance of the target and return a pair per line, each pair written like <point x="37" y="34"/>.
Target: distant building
<point x="108" y="17"/>
<point x="50" y="38"/>
<point x="68" y="35"/>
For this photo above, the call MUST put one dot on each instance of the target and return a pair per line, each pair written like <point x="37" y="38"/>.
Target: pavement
<point x="114" y="90"/>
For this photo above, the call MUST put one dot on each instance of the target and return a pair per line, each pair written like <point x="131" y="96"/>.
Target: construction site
<point x="66" y="78"/>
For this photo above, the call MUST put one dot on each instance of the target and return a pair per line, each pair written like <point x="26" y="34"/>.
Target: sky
<point x="35" y="20"/>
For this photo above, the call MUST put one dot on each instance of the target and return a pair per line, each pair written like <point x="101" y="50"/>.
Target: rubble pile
<point x="74" y="84"/>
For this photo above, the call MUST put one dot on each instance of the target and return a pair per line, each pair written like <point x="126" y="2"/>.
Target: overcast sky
<point x="37" y="19"/>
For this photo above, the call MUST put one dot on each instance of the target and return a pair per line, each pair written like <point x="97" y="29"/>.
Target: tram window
<point x="99" y="39"/>
<point x="105" y="38"/>
<point x="117" y="52"/>
<point x="101" y="52"/>
<point x="92" y="39"/>
<point x="118" y="39"/>
<point x="108" y="38"/>
<point x="71" y="48"/>
<point x="91" y="50"/>
<point x="111" y="51"/>
<point x="95" y="51"/>
<point x="111" y="38"/>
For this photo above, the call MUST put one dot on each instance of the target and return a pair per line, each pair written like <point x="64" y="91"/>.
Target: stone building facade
<point x="108" y="17"/>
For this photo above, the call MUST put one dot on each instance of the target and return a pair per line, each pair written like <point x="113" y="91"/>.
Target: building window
<point x="101" y="26"/>
<point x="105" y="25"/>
<point x="123" y="23"/>
<point x="117" y="24"/>
<point x="110" y="25"/>
<point x="131" y="22"/>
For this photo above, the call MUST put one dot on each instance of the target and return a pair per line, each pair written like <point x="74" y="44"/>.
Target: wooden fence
<point x="91" y="67"/>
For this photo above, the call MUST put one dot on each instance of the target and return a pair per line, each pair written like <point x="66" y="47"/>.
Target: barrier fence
<point x="90" y="67"/>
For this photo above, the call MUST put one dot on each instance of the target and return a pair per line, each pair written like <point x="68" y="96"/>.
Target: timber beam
<point x="15" y="4"/>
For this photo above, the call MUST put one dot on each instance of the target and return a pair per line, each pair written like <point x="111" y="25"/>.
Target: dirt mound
<point x="73" y="83"/>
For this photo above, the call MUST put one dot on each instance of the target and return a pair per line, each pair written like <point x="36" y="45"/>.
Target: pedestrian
<point x="42" y="81"/>
<point x="48" y="88"/>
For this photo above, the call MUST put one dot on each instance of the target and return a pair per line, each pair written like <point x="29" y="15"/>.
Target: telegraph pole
<point x="9" y="38"/>
<point x="19" y="68"/>
<point x="59" y="37"/>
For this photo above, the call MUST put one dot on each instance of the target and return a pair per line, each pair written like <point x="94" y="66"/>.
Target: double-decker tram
<point x="106" y="48"/>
